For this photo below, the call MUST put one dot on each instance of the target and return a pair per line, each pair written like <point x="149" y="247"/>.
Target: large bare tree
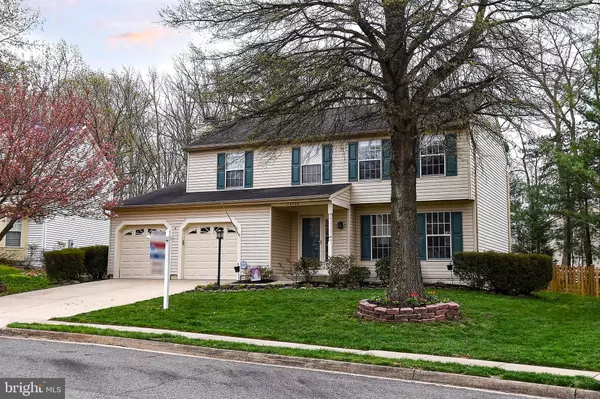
<point x="423" y="63"/>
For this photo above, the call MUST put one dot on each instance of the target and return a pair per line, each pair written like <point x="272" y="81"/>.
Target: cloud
<point x="144" y="37"/>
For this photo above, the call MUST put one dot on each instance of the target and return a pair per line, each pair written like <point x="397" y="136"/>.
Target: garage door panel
<point x="201" y="252"/>
<point x="134" y="248"/>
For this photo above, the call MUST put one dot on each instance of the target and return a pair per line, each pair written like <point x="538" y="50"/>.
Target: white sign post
<point x="160" y="257"/>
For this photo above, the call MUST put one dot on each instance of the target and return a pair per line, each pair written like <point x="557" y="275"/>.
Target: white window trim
<point x="302" y="163"/>
<point x="374" y="236"/>
<point x="243" y="169"/>
<point x="380" y="159"/>
<point x="421" y="156"/>
<point x="437" y="235"/>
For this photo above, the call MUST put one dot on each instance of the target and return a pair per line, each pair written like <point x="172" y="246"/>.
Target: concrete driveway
<point x="79" y="298"/>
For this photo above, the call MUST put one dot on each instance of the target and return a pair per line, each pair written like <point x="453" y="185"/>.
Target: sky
<point x="113" y="33"/>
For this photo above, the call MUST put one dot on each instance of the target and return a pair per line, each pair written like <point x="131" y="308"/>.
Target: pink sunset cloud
<point x="145" y="37"/>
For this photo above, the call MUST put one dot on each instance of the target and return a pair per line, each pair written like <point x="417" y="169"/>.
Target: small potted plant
<point x="3" y="287"/>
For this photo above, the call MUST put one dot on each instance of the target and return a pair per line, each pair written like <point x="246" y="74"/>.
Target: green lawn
<point x="19" y="280"/>
<point x="549" y="329"/>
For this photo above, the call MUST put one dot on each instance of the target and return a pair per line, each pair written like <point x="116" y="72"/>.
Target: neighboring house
<point x="312" y="200"/>
<point x="27" y="240"/>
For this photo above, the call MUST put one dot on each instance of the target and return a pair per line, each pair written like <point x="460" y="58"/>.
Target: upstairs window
<point x="312" y="160"/>
<point x="433" y="155"/>
<point x="369" y="160"/>
<point x="13" y="237"/>
<point x="439" y="235"/>
<point x="234" y="169"/>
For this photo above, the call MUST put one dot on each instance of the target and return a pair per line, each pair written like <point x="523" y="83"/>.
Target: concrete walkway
<point x="69" y="300"/>
<point x="378" y="353"/>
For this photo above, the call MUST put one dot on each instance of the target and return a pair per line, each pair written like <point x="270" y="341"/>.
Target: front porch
<point x="309" y="229"/>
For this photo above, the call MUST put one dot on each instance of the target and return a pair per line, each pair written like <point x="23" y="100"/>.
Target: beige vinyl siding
<point x="340" y="236"/>
<point x="273" y="169"/>
<point x="492" y="195"/>
<point x="253" y="219"/>
<point x="281" y="239"/>
<point x="433" y="271"/>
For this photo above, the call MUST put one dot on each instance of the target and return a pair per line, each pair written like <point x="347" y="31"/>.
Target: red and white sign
<point x="158" y="244"/>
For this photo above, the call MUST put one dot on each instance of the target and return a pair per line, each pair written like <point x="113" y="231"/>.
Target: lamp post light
<point x="219" y="232"/>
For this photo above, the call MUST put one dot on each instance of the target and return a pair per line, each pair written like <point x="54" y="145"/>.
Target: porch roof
<point x="176" y="194"/>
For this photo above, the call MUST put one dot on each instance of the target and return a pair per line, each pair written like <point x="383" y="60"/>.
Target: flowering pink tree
<point x="50" y="161"/>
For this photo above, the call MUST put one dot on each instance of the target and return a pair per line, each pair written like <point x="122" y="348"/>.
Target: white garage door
<point x="134" y="251"/>
<point x="200" y="249"/>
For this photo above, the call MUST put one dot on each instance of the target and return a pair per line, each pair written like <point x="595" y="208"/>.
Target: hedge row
<point x="506" y="273"/>
<point x="72" y="263"/>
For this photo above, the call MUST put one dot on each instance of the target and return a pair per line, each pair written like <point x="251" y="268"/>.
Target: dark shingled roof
<point x="345" y="121"/>
<point x="176" y="195"/>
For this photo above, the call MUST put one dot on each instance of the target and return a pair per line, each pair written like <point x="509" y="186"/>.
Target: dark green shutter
<point x="451" y="166"/>
<point x="327" y="163"/>
<point x="418" y="164"/>
<point x="365" y="237"/>
<point x="221" y="171"/>
<point x="386" y="159"/>
<point x="248" y="171"/>
<point x="353" y="161"/>
<point x="295" y="166"/>
<point x="422" y="237"/>
<point x="457" y="232"/>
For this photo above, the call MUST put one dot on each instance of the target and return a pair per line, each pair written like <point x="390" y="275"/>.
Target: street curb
<point x="493" y="384"/>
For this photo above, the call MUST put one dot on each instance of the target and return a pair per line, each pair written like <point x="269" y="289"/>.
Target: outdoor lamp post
<point x="219" y="237"/>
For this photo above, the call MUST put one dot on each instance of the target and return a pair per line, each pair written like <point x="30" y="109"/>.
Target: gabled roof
<point x="177" y="195"/>
<point x="342" y="121"/>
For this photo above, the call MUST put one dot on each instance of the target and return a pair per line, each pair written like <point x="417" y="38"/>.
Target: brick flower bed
<point x="421" y="314"/>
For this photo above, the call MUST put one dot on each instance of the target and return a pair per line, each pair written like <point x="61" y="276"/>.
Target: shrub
<point x="511" y="274"/>
<point x="95" y="261"/>
<point x="339" y="267"/>
<point x="357" y="275"/>
<point x="302" y="269"/>
<point x="64" y="264"/>
<point x="382" y="269"/>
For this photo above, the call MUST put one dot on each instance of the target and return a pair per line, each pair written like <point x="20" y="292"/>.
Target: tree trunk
<point x="405" y="265"/>
<point x="6" y="229"/>
<point x="587" y="236"/>
<point x="567" y="253"/>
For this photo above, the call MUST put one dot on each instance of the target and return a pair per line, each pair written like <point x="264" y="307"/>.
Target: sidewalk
<point x="377" y="353"/>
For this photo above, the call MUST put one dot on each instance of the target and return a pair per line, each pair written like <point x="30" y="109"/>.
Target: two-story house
<point x="315" y="198"/>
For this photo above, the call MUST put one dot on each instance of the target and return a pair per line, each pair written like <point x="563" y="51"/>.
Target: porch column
<point x="330" y="236"/>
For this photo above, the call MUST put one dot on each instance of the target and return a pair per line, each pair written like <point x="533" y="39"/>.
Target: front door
<point x="311" y="238"/>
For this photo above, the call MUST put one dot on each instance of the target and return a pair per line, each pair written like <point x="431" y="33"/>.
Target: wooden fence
<point x="578" y="280"/>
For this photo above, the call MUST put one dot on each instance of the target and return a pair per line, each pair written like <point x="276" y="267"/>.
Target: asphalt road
<point x="105" y="372"/>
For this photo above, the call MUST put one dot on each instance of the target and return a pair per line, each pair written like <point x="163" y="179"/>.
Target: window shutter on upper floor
<point x="327" y="155"/>
<point x="221" y="171"/>
<point x="365" y="237"/>
<point x="451" y="164"/>
<point x="295" y="166"/>
<point x="353" y="161"/>
<point x="457" y="232"/>
<point x="422" y="236"/>
<point x="386" y="159"/>
<point x="248" y="169"/>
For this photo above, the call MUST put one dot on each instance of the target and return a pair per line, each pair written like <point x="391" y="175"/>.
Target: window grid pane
<point x="433" y="156"/>
<point x="438" y="235"/>
<point x="13" y="239"/>
<point x="380" y="235"/>
<point x="369" y="169"/>
<point x="311" y="174"/>
<point x="234" y="178"/>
